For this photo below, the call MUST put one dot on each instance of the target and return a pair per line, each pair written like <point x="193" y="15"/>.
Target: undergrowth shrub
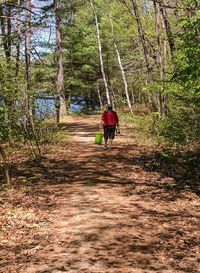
<point x="182" y="125"/>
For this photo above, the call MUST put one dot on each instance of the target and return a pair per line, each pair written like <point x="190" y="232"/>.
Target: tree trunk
<point x="132" y="96"/>
<point x="100" y="52"/>
<point x="27" y="62"/>
<point x="9" y="31"/>
<point x="167" y="26"/>
<point x="59" y="60"/>
<point x="5" y="16"/>
<point x="196" y="6"/>
<point x="176" y="10"/>
<point x="19" y="37"/>
<point x="121" y="68"/>
<point x="99" y="96"/>
<point x="29" y="112"/>
<point x="145" y="50"/>
<point x="159" y="55"/>
<point x="28" y="42"/>
<point x="113" y="97"/>
<point x="142" y="37"/>
<point x="5" y="166"/>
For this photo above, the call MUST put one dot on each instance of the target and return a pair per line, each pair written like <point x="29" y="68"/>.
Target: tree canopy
<point x="133" y="52"/>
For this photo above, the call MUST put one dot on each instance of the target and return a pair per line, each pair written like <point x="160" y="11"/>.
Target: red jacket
<point x="109" y="118"/>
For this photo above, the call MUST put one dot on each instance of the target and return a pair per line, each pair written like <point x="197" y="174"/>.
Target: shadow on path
<point x="109" y="211"/>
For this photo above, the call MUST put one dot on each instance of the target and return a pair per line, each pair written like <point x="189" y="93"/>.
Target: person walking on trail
<point x="110" y="122"/>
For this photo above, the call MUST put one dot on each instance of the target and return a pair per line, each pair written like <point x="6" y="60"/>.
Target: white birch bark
<point x="100" y="52"/>
<point x="121" y="68"/>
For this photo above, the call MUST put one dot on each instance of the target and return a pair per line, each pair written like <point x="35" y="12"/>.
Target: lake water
<point x="45" y="107"/>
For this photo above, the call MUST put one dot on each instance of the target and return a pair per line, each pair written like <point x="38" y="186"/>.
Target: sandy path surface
<point x="105" y="218"/>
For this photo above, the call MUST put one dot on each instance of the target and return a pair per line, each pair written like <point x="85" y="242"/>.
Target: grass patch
<point x="61" y="138"/>
<point x="4" y="187"/>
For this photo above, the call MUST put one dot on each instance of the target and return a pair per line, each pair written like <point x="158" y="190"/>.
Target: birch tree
<point x="121" y="66"/>
<point x="100" y="52"/>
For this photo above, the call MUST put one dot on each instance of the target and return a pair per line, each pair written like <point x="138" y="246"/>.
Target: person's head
<point x="110" y="107"/>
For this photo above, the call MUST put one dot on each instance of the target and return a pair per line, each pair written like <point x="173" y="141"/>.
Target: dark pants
<point x="109" y="132"/>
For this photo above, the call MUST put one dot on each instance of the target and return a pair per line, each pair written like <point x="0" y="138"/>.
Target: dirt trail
<point x="107" y="217"/>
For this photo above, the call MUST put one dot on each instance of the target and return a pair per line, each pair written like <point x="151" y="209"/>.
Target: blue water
<point x="45" y="107"/>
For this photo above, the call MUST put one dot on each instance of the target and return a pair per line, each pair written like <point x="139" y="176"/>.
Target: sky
<point x="43" y="38"/>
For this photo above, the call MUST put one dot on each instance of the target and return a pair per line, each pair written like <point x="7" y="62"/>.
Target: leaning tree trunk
<point x="62" y="109"/>
<point x="121" y="68"/>
<point x="145" y="50"/>
<point x="159" y="56"/>
<point x="142" y="36"/>
<point x="167" y="26"/>
<point x="100" y="52"/>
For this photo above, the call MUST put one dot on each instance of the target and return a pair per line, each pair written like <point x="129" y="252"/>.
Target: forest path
<point x="99" y="228"/>
<point x="106" y="215"/>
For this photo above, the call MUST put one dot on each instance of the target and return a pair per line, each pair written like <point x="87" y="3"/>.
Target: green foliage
<point x="181" y="126"/>
<point x="4" y="187"/>
<point x="182" y="123"/>
<point x="187" y="58"/>
<point x="81" y="59"/>
<point x="31" y="179"/>
<point x="82" y="73"/>
<point x="61" y="138"/>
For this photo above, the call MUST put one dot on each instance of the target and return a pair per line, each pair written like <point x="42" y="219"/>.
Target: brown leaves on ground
<point x="85" y="209"/>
